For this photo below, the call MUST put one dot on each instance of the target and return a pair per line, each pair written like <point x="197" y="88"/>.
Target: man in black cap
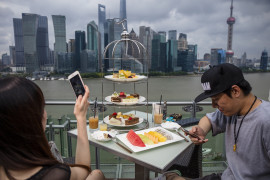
<point x="243" y="118"/>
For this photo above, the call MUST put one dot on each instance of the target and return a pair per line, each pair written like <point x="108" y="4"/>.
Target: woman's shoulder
<point x="54" y="172"/>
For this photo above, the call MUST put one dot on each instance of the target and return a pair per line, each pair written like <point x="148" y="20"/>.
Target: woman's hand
<point x="200" y="132"/>
<point x="81" y="106"/>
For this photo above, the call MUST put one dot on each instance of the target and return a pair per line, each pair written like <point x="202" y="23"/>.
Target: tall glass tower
<point x="92" y="41"/>
<point x="30" y="25"/>
<point x="43" y="41"/>
<point x="101" y="22"/>
<point x="59" y="24"/>
<point x="264" y="60"/>
<point x="123" y="12"/>
<point x="80" y="45"/>
<point x="18" y="37"/>
<point x="172" y="34"/>
<point x="92" y="36"/>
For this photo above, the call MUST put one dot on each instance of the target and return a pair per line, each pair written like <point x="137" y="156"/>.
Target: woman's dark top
<point x="55" y="172"/>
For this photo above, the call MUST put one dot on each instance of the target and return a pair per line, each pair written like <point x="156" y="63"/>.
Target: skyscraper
<point x="92" y="36"/>
<point x="123" y="12"/>
<point x="145" y="37"/>
<point x="80" y="45"/>
<point x="264" y="60"/>
<point x="214" y="56"/>
<point x="163" y="33"/>
<point x="172" y="34"/>
<point x="18" y="37"/>
<point x="92" y="42"/>
<point x="59" y="24"/>
<point x="182" y="42"/>
<point x="30" y="25"/>
<point x="43" y="41"/>
<point x="230" y="22"/>
<point x="101" y="23"/>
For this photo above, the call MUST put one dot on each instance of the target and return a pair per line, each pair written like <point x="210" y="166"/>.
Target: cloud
<point x="204" y="22"/>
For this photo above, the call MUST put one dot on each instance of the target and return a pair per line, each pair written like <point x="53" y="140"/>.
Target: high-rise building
<point x="30" y="25"/>
<point x="164" y="35"/>
<point x="92" y="36"/>
<point x="89" y="61"/>
<point x="71" y="46"/>
<point x="5" y="59"/>
<point x="186" y="58"/>
<point x="113" y="32"/>
<point x="123" y="12"/>
<point x="156" y="61"/>
<point x="12" y="54"/>
<point x="172" y="55"/>
<point x="243" y="60"/>
<point x="221" y="56"/>
<point x="172" y="34"/>
<point x="80" y="45"/>
<point x="18" y="37"/>
<point x="43" y="42"/>
<point x="60" y="45"/>
<point x="182" y="42"/>
<point x="92" y="42"/>
<point x="207" y="57"/>
<point x="264" y="60"/>
<point x="230" y="22"/>
<point x="101" y="23"/>
<point x="214" y="56"/>
<point x="145" y="37"/>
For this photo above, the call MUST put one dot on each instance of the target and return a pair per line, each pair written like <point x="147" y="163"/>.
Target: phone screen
<point x="77" y="85"/>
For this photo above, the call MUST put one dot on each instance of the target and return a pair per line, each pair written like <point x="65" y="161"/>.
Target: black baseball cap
<point x="218" y="79"/>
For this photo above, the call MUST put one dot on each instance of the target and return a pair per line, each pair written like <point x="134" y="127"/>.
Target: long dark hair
<point x="22" y="139"/>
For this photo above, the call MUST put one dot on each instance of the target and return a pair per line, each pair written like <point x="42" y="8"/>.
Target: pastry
<point x="115" y="121"/>
<point x="115" y="99"/>
<point x="131" y="121"/>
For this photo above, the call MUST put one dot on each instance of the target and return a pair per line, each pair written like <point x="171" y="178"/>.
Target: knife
<point x="125" y="148"/>
<point x="122" y="146"/>
<point x="182" y="136"/>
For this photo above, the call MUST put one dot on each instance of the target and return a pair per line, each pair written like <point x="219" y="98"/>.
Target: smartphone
<point x="76" y="83"/>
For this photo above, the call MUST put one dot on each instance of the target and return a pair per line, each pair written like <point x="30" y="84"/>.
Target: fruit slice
<point x="146" y="140"/>
<point x="134" y="139"/>
<point x="153" y="138"/>
<point x="158" y="135"/>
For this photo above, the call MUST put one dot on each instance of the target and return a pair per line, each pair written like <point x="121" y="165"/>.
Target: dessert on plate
<point x="122" y="74"/>
<point x="125" y="98"/>
<point x="126" y="119"/>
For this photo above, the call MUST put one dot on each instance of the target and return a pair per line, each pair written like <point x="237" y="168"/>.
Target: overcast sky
<point x="204" y="21"/>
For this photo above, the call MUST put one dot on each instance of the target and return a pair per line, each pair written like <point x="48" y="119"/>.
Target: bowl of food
<point x="176" y="116"/>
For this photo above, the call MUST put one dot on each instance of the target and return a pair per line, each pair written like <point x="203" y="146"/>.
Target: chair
<point x="190" y="163"/>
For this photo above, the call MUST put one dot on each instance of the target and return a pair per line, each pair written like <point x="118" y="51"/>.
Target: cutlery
<point x="119" y="144"/>
<point x="192" y="135"/>
<point x="182" y="135"/>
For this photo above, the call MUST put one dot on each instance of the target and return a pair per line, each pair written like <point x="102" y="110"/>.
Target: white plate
<point x="107" y="121"/>
<point x="170" y="125"/>
<point x="141" y="99"/>
<point x="139" y="77"/>
<point x="98" y="135"/>
<point x="123" y="138"/>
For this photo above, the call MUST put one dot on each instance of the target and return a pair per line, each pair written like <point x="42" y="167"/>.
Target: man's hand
<point x="200" y="132"/>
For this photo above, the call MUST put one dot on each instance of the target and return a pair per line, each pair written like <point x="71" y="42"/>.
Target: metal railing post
<point x="69" y="139"/>
<point x="193" y="112"/>
<point x="51" y="131"/>
<point x="60" y="120"/>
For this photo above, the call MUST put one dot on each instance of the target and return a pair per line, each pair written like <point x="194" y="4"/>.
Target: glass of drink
<point x="103" y="127"/>
<point x="157" y="114"/>
<point x="93" y="119"/>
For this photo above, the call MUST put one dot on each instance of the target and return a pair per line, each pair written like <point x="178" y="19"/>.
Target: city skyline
<point x="205" y="24"/>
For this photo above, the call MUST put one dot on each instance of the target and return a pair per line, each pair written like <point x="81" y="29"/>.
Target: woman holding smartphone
<point x="24" y="149"/>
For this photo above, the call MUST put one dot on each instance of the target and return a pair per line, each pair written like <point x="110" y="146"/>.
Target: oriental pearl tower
<point x="230" y="22"/>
